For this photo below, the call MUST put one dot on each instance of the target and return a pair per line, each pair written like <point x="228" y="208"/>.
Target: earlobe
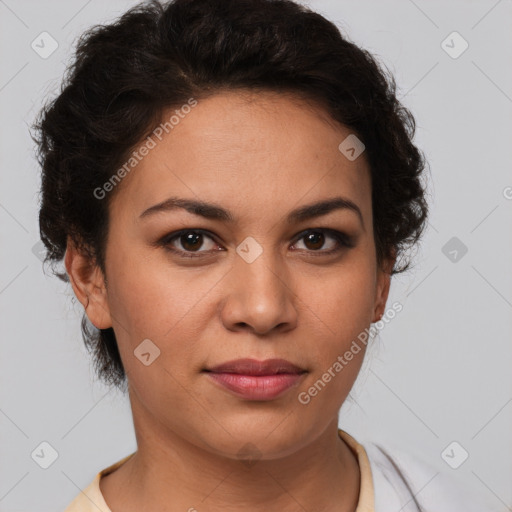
<point x="382" y="295"/>
<point x="383" y="286"/>
<point x="88" y="284"/>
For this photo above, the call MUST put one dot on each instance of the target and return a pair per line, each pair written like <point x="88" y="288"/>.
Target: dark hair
<point x="157" y="56"/>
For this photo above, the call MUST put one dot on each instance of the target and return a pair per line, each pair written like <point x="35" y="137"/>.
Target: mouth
<point x="254" y="380"/>
<point x="257" y="368"/>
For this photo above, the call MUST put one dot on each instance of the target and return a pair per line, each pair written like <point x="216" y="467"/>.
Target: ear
<point x="89" y="286"/>
<point x="383" y="285"/>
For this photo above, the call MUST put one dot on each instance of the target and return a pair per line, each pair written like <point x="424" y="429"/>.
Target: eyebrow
<point x="216" y="212"/>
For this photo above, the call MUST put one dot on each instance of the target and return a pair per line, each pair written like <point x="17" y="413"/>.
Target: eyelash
<point x="344" y="241"/>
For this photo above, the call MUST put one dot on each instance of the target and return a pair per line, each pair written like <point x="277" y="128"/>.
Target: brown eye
<point x="187" y="243"/>
<point x="315" y="239"/>
<point x="191" y="241"/>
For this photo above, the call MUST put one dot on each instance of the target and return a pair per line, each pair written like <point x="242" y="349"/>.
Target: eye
<point x="314" y="239"/>
<point x="190" y="240"/>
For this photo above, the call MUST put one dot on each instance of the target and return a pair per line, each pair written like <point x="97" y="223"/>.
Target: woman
<point x="231" y="186"/>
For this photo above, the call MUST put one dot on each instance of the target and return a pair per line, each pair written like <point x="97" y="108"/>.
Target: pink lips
<point x="257" y="380"/>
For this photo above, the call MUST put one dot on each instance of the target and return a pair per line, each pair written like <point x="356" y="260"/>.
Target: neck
<point x="172" y="471"/>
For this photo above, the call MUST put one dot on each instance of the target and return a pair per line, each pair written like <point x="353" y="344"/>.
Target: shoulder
<point x="403" y="481"/>
<point x="91" y="499"/>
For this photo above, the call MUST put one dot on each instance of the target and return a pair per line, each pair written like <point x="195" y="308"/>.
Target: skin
<point x="258" y="155"/>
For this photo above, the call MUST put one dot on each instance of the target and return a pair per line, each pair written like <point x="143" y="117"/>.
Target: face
<point x="251" y="278"/>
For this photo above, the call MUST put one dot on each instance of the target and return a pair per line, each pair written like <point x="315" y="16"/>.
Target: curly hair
<point x="157" y="56"/>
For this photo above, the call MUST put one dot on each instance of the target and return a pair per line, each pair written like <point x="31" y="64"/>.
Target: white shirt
<point x="405" y="483"/>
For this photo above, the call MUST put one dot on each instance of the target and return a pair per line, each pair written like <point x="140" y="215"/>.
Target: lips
<point x="257" y="368"/>
<point x="250" y="379"/>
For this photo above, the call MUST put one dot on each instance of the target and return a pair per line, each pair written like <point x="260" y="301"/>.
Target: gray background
<point x="440" y="371"/>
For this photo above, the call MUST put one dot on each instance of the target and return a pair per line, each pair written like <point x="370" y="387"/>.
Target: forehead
<point x="254" y="151"/>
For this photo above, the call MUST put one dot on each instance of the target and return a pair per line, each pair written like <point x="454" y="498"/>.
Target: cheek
<point x="341" y="302"/>
<point x="171" y="306"/>
<point x="340" y="333"/>
<point x="152" y="298"/>
<point x="340" y="311"/>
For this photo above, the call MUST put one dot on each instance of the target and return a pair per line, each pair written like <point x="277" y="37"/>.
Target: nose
<point x="260" y="297"/>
